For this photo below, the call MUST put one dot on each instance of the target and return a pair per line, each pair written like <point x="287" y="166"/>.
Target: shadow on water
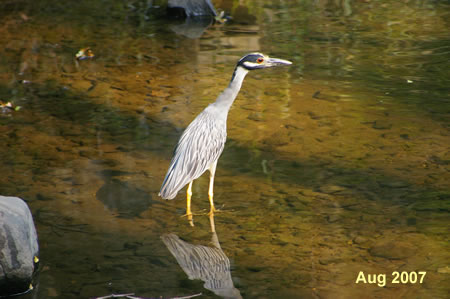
<point x="83" y="120"/>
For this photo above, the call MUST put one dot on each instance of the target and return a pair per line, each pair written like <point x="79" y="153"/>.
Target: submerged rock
<point x="18" y="246"/>
<point x="382" y="125"/>
<point x="393" y="250"/>
<point x="331" y="189"/>
<point x="124" y="198"/>
<point x="360" y="240"/>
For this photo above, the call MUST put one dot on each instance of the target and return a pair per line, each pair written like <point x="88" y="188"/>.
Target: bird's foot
<point x="214" y="210"/>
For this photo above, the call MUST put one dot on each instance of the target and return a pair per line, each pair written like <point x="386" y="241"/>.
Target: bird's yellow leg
<point x="188" y="204"/>
<point x="210" y="191"/>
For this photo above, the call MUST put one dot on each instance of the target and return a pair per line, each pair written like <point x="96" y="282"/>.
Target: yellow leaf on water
<point x="85" y="53"/>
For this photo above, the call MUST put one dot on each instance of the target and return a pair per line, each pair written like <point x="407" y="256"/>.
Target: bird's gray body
<point x="202" y="143"/>
<point x="195" y="152"/>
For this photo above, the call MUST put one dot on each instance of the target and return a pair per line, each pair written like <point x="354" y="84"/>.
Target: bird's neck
<point x="227" y="97"/>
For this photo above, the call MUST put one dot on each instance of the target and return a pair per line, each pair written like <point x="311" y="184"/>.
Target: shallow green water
<point x="335" y="165"/>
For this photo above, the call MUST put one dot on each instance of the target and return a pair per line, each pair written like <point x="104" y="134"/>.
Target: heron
<point x="203" y="141"/>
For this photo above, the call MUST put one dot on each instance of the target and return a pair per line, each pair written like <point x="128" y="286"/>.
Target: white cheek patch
<point x="250" y="64"/>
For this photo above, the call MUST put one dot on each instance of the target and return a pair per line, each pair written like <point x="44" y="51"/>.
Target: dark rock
<point x="325" y="97"/>
<point x="18" y="246"/>
<point x="381" y="125"/>
<point x="255" y="268"/>
<point x="278" y="241"/>
<point x="393" y="250"/>
<point x="393" y="184"/>
<point x="279" y="138"/>
<point x="360" y="240"/>
<point x="333" y="218"/>
<point x="191" y="8"/>
<point x="39" y="196"/>
<point x="124" y="198"/>
<point x="438" y="161"/>
<point x="331" y="189"/>
<point x="255" y="116"/>
<point x="330" y="260"/>
<point x="432" y="205"/>
<point x="404" y="136"/>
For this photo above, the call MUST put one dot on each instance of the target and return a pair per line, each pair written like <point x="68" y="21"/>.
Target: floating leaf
<point x="85" y="53"/>
<point x="221" y="18"/>
<point x="5" y="107"/>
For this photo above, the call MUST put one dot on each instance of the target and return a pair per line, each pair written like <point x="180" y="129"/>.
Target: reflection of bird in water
<point x="209" y="264"/>
<point x="202" y="143"/>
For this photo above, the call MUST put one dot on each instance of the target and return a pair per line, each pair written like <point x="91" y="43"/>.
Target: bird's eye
<point x="260" y="60"/>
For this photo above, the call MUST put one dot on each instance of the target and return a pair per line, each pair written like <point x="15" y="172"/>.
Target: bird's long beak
<point x="277" y="62"/>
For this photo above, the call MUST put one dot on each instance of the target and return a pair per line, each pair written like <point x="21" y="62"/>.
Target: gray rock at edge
<point x="18" y="246"/>
<point x="193" y="8"/>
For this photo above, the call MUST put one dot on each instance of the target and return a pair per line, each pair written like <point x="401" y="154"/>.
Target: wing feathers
<point x="200" y="145"/>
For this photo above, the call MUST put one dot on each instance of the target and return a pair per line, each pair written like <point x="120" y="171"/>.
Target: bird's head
<point x="254" y="61"/>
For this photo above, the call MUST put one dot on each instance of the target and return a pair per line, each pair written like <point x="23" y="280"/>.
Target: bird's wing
<point x="198" y="148"/>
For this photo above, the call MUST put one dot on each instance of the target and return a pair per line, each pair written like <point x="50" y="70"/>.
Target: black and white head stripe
<point x="253" y="61"/>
